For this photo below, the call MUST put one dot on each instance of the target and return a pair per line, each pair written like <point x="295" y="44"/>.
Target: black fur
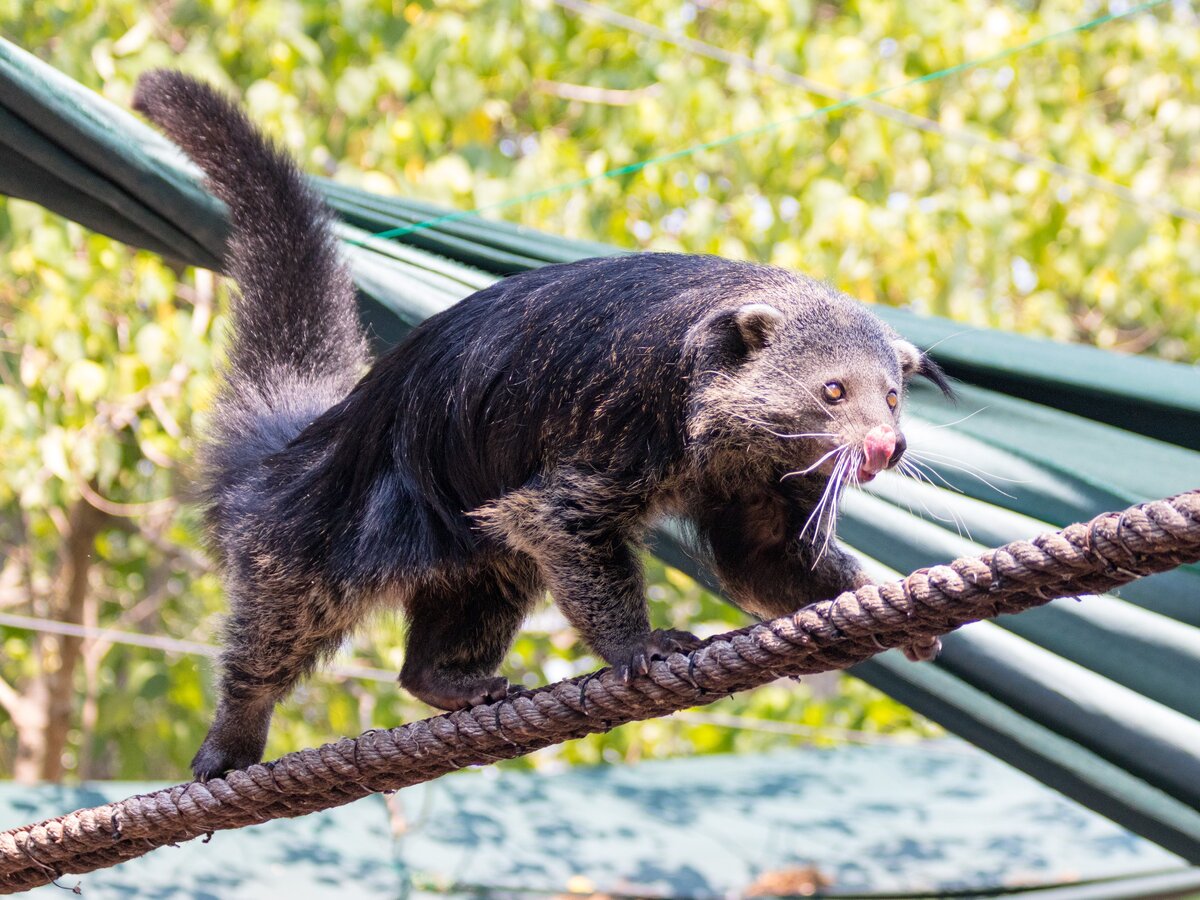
<point x="522" y="440"/>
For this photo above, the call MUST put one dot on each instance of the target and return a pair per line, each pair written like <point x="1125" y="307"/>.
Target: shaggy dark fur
<point x="520" y="441"/>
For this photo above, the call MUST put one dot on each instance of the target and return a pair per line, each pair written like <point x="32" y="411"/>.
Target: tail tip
<point x="149" y="86"/>
<point x="159" y="90"/>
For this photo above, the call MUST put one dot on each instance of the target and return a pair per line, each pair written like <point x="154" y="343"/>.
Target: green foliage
<point x="105" y="364"/>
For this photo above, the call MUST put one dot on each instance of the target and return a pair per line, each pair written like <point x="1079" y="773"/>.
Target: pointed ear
<point x="914" y="362"/>
<point x="752" y="325"/>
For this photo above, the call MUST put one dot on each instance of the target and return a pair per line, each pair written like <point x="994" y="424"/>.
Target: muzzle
<point x="882" y="448"/>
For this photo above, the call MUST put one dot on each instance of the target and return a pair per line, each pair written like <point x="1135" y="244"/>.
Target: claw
<point x="659" y="644"/>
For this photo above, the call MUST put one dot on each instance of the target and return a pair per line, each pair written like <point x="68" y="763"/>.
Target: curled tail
<point x="296" y="346"/>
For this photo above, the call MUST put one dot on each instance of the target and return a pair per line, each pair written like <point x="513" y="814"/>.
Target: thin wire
<point x="793" y="729"/>
<point x="848" y="103"/>
<point x="1006" y="149"/>
<point x="364" y="673"/>
<point x="165" y="644"/>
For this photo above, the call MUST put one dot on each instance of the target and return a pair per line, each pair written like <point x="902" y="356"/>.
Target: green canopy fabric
<point x="1096" y="698"/>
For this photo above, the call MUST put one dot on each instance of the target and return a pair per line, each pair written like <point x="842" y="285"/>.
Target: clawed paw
<point x="659" y="644"/>
<point x="213" y="760"/>
<point x="924" y="649"/>
<point x="454" y="692"/>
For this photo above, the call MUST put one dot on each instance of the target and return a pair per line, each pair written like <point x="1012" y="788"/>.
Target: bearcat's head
<point x="802" y="378"/>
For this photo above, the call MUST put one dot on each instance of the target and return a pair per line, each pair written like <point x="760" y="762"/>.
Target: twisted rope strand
<point x="1111" y="550"/>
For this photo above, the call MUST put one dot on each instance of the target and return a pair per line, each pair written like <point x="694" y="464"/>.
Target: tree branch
<point x="585" y="93"/>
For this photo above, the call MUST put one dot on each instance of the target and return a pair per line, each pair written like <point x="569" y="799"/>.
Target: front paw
<point x="923" y="649"/>
<point x="635" y="657"/>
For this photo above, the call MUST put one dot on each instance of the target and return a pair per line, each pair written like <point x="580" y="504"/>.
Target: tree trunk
<point x="49" y="699"/>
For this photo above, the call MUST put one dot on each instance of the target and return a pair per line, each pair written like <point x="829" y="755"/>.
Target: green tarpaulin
<point x="1096" y="698"/>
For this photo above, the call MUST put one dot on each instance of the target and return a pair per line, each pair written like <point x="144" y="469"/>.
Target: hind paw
<point x="635" y="659"/>
<point x="449" y="692"/>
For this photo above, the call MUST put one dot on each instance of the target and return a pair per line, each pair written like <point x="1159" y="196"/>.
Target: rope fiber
<point x="1111" y="550"/>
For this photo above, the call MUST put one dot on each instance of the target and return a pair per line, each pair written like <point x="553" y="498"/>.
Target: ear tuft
<point x="909" y="356"/>
<point x="914" y="362"/>
<point x="756" y="324"/>
<point x="931" y="370"/>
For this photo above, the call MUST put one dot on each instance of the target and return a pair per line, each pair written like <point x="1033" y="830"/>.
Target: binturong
<point x="523" y="440"/>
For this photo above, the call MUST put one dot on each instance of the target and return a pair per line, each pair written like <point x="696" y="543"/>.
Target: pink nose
<point x="878" y="447"/>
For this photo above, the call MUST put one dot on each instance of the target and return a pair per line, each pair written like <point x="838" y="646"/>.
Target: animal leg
<point x="577" y="527"/>
<point x="768" y="573"/>
<point x="459" y="630"/>
<point x="271" y="642"/>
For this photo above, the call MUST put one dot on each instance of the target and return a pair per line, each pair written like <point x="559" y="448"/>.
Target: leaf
<point x="87" y="380"/>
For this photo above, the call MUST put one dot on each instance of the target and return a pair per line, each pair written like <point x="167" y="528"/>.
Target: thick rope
<point x="1111" y="550"/>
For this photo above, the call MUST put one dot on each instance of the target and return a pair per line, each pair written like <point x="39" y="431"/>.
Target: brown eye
<point x="834" y="392"/>
<point x="892" y="400"/>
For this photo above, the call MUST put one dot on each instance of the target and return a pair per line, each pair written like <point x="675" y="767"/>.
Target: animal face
<point x="813" y="387"/>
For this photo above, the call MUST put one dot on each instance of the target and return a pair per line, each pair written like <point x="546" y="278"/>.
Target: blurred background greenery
<point x="1055" y="193"/>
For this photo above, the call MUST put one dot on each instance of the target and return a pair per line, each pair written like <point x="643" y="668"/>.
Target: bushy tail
<point x="296" y="344"/>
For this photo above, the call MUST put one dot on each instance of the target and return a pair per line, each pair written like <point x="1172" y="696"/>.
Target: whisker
<point x="814" y="514"/>
<point x="956" y="520"/>
<point x="847" y="464"/>
<point x="827" y="520"/>
<point x="963" y="419"/>
<point x="816" y="518"/>
<point x="960" y="524"/>
<point x="909" y="468"/>
<point x="902" y="472"/>
<point x="935" y="455"/>
<point x="949" y="337"/>
<point x="820" y="405"/>
<point x="943" y="461"/>
<point x="818" y="463"/>
<point x="921" y="467"/>
<point x="817" y="513"/>
<point x="769" y="428"/>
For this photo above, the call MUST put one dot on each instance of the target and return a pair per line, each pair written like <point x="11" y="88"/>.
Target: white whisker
<point x="851" y="459"/>
<point x="933" y="463"/>
<point x="949" y="337"/>
<point x="816" y="516"/>
<point x="956" y="520"/>
<point x="820" y="405"/>
<point x="902" y="472"/>
<point x="769" y="427"/>
<point x="963" y="419"/>
<point x="818" y="463"/>
<point x="932" y="454"/>
<point x="922" y="467"/>
<point x="939" y="460"/>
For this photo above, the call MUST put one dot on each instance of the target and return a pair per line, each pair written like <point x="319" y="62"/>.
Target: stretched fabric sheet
<point x="1096" y="698"/>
